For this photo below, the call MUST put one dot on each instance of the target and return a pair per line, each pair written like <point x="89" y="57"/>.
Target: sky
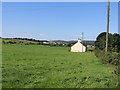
<point x="57" y="20"/>
<point x="119" y="18"/>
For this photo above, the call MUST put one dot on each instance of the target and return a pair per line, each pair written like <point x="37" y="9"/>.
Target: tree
<point x="112" y="55"/>
<point x="115" y="42"/>
<point x="100" y="41"/>
<point x="113" y="39"/>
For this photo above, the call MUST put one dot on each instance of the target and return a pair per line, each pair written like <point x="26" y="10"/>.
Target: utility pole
<point x="82" y="40"/>
<point x="107" y="29"/>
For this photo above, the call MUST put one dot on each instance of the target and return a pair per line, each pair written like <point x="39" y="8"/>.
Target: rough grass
<point x="37" y="66"/>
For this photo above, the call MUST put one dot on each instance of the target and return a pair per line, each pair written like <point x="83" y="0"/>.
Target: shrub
<point x="109" y="57"/>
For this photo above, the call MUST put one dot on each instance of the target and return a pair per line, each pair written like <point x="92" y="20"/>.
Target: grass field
<point x="37" y="66"/>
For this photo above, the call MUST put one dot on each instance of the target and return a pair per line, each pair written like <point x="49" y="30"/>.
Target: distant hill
<point x="73" y="42"/>
<point x="26" y="41"/>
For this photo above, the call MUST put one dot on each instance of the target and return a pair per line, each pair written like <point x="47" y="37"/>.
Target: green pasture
<point x="38" y="66"/>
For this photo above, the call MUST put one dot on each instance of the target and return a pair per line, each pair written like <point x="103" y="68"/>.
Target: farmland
<point x="39" y="66"/>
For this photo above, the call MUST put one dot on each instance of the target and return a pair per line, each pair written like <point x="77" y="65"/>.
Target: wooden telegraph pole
<point x="82" y="40"/>
<point x="107" y="29"/>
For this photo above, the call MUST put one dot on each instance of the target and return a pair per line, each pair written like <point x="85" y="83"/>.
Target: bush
<point x="109" y="57"/>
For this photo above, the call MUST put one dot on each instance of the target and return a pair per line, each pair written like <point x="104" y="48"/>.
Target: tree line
<point x="113" y="54"/>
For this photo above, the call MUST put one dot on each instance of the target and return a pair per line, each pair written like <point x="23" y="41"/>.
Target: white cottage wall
<point x="78" y="47"/>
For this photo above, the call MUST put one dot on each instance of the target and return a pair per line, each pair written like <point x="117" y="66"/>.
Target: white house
<point x="78" y="47"/>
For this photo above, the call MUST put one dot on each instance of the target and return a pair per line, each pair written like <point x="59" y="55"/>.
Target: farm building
<point x="78" y="47"/>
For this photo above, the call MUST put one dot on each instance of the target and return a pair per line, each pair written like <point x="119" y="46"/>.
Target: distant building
<point x="90" y="46"/>
<point x="78" y="47"/>
<point x="45" y="42"/>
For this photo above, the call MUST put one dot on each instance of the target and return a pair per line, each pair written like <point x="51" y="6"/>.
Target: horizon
<point x="57" y="21"/>
<point x="43" y="39"/>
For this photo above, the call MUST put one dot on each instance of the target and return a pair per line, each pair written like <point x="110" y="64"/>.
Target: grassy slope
<point x="19" y="41"/>
<point x="30" y="66"/>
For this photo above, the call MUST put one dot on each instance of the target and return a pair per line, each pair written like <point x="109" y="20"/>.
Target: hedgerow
<point x="113" y="54"/>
